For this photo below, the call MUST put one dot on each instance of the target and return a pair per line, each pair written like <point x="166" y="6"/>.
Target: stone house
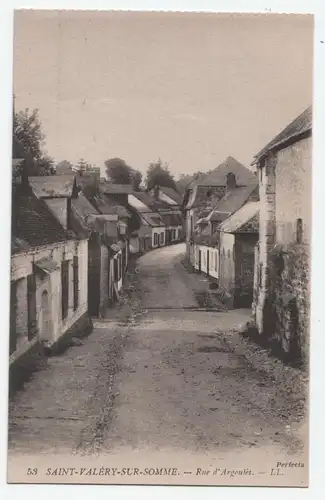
<point x="208" y="255"/>
<point x="152" y="230"/>
<point x="103" y="237"/>
<point x="237" y="241"/>
<point x="170" y="211"/>
<point x="48" y="270"/>
<point x="203" y="194"/>
<point x="281" y="290"/>
<point x="115" y="226"/>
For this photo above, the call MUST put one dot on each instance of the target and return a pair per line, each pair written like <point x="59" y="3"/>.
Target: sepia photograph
<point x="160" y="248"/>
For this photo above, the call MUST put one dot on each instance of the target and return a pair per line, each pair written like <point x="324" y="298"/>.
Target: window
<point x="299" y="231"/>
<point x="75" y="283"/>
<point x="174" y="234"/>
<point x="162" y="238"/>
<point x="155" y="239"/>
<point x="65" y="288"/>
<point x="31" y="306"/>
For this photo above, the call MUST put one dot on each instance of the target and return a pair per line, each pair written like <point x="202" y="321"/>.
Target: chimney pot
<point x="231" y="182"/>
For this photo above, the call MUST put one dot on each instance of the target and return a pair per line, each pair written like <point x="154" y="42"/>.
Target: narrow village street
<point x="161" y="374"/>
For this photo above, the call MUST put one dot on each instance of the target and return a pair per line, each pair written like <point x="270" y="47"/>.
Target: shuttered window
<point x="155" y="239"/>
<point x="64" y="288"/>
<point x="75" y="283"/>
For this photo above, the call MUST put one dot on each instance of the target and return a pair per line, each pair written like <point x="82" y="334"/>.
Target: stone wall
<point x="291" y="294"/>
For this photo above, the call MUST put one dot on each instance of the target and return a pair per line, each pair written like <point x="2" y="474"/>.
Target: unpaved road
<point x="169" y="381"/>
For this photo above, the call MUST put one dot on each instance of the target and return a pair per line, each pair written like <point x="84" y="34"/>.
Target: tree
<point x="28" y="143"/>
<point x="82" y="166"/>
<point x="158" y="174"/>
<point x="63" y="167"/>
<point x="119" y="172"/>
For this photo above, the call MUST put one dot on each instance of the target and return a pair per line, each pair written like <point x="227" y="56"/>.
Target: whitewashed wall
<point x="158" y="231"/>
<point x="22" y="266"/>
<point x="213" y="259"/>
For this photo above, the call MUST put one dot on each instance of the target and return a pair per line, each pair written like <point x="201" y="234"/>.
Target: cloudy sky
<point x="189" y="88"/>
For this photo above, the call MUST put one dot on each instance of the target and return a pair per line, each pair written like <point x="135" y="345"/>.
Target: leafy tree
<point x="82" y="166"/>
<point x="158" y="174"/>
<point x="28" y="142"/>
<point x="119" y="172"/>
<point x="64" y="166"/>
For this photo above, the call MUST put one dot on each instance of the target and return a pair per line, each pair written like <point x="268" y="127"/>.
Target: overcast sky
<point x="189" y="88"/>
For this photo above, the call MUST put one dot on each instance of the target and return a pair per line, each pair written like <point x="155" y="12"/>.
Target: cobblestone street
<point x="172" y="377"/>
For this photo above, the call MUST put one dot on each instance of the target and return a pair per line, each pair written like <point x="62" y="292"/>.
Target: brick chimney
<point x="230" y="182"/>
<point x="156" y="192"/>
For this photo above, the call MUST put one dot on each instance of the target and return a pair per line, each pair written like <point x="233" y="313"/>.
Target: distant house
<point x="48" y="268"/>
<point x="281" y="301"/>
<point x="204" y="193"/>
<point x="152" y="226"/>
<point x="238" y="238"/>
<point x="119" y="235"/>
<point x="209" y="251"/>
<point x="102" y="240"/>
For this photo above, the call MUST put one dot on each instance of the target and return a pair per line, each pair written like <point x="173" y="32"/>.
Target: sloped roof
<point x="149" y="201"/>
<point x="232" y="201"/>
<point x="153" y="219"/>
<point x="292" y="132"/>
<point x="108" y="188"/>
<point x="171" y="219"/>
<point x="82" y="211"/>
<point x="35" y="224"/>
<point x="52" y="186"/>
<point x="174" y="195"/>
<point x="218" y="177"/>
<point x="245" y="214"/>
<point x="105" y="205"/>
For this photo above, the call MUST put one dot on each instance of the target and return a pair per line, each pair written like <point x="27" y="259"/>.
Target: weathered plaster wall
<point x="293" y="190"/>
<point x="158" y="231"/>
<point x="213" y="260"/>
<point x="227" y="264"/>
<point x="104" y="278"/>
<point x="22" y="266"/>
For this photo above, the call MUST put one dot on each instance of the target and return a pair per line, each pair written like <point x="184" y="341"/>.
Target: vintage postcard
<point x="160" y="251"/>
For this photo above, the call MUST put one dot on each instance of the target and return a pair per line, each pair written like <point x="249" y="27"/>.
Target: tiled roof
<point x="239" y="219"/>
<point x="153" y="219"/>
<point x="35" y="224"/>
<point x="232" y="201"/>
<point x="174" y="195"/>
<point x="171" y="219"/>
<point x="107" y="206"/>
<point x="108" y="188"/>
<point x="52" y="186"/>
<point x="299" y="126"/>
<point x="149" y="201"/>
<point x="218" y="178"/>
